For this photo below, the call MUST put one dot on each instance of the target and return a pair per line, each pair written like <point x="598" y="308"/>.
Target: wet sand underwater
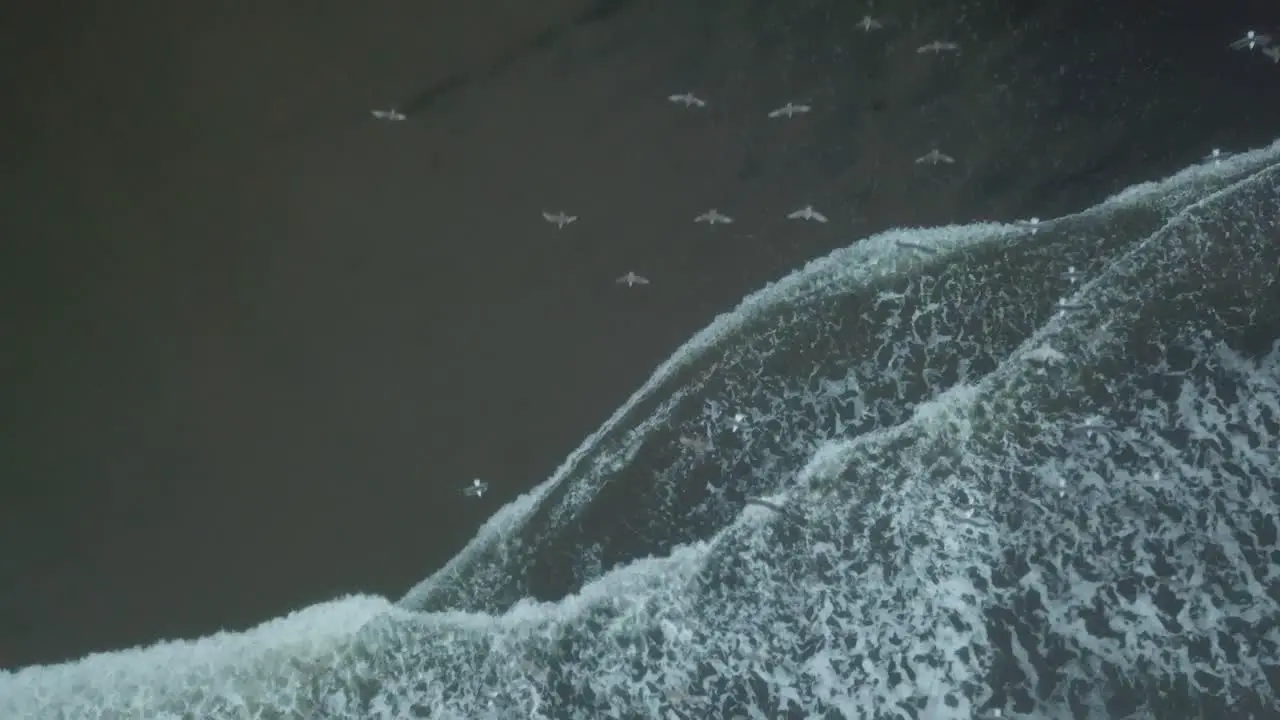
<point x="259" y="341"/>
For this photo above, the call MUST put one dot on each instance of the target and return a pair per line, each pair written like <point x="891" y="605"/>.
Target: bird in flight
<point x="917" y="246"/>
<point x="559" y="219"/>
<point x="391" y="115"/>
<point x="698" y="445"/>
<point x="1216" y="156"/>
<point x="934" y="157"/>
<point x="1272" y="52"/>
<point x="476" y="489"/>
<point x="713" y="217"/>
<point x="1091" y="427"/>
<point x="687" y="99"/>
<point x="868" y="23"/>
<point x="807" y="213"/>
<point x="631" y="280"/>
<point x="789" y="110"/>
<point x="938" y="46"/>
<point x="1251" y="41"/>
<point x="1065" y="307"/>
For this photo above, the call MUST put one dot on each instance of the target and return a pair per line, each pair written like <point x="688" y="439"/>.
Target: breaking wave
<point x="969" y="501"/>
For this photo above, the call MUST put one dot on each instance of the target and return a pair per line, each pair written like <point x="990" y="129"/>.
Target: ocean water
<point x="910" y="486"/>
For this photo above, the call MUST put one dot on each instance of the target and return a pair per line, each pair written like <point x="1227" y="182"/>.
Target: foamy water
<point x="984" y="506"/>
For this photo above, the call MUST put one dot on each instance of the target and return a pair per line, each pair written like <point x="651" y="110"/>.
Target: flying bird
<point x="1251" y="40"/>
<point x="389" y="115"/>
<point x="1065" y="307"/>
<point x="476" y="489"/>
<point x="868" y="23"/>
<point x="559" y="219"/>
<point x="1091" y="428"/>
<point x="934" y="157"/>
<point x="687" y="99"/>
<point x="917" y="246"/>
<point x="713" y="217"/>
<point x="789" y="110"/>
<point x="1216" y="156"/>
<point x="807" y="213"/>
<point x="1272" y="52"/>
<point x="698" y="445"/>
<point x="631" y="280"/>
<point x="938" y="46"/>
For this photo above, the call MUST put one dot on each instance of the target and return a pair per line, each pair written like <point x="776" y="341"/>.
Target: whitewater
<point x="975" y="504"/>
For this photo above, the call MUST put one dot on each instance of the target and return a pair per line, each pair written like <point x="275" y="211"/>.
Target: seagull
<point x="1065" y="307"/>
<point x="631" y="280"/>
<point x="868" y="23"/>
<point x="917" y="246"/>
<point x="559" y="219"/>
<point x="1250" y="41"/>
<point x="807" y="213"/>
<point x="934" y="157"/>
<point x="698" y="445"/>
<point x="476" y="489"/>
<point x="1216" y="156"/>
<point x="1090" y="428"/>
<point x="687" y="99"/>
<point x="789" y="110"/>
<point x="781" y="510"/>
<point x="1044" y="355"/>
<point x="713" y="217"/>
<point x="390" y="115"/>
<point x="938" y="46"/>
<point x="1272" y="52"/>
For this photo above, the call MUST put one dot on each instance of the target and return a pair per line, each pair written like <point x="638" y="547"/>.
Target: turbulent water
<point x="910" y="485"/>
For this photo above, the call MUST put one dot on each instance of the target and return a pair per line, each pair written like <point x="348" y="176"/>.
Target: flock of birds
<point x="1251" y="41"/>
<point x="561" y="219"/>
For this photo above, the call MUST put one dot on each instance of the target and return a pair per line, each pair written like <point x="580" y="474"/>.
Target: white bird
<point x="917" y="246"/>
<point x="713" y="217"/>
<point x="1272" y="52"/>
<point x="1065" y="307"/>
<point x="687" y="99"/>
<point x="698" y="445"/>
<point x="789" y="110"/>
<point x="807" y="213"/>
<point x="938" y="46"/>
<point x="1032" y="223"/>
<point x="1072" y="274"/>
<point x="868" y="23"/>
<point x="631" y="280"/>
<point x="476" y="489"/>
<point x="738" y="422"/>
<point x="1216" y="156"/>
<point x="934" y="157"/>
<point x="1091" y="427"/>
<point x="391" y="115"/>
<point x="1250" y="41"/>
<point x="559" y="219"/>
